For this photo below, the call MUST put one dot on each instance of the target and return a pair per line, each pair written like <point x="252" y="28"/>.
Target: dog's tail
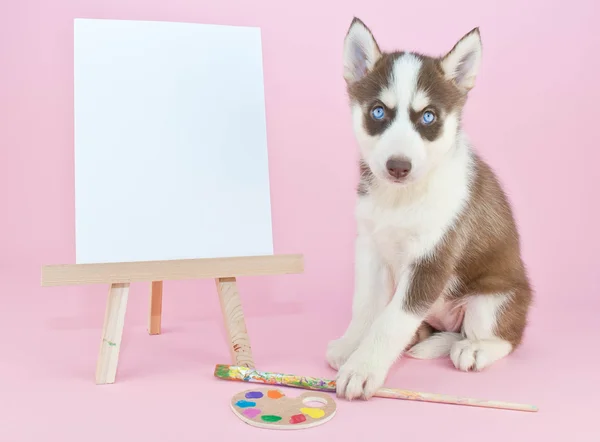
<point x="435" y="346"/>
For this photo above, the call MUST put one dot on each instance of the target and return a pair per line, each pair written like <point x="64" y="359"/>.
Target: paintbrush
<point x="245" y="374"/>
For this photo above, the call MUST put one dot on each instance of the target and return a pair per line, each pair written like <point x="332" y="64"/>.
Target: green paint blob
<point x="270" y="418"/>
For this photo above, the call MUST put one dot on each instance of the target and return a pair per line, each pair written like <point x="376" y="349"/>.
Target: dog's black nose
<point x="398" y="167"/>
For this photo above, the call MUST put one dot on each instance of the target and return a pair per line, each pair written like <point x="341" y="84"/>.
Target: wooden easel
<point x="120" y="275"/>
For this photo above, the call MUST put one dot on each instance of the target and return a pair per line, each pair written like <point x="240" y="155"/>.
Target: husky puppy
<point x="438" y="268"/>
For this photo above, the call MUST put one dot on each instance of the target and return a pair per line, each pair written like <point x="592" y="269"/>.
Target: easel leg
<point x="231" y="306"/>
<point x="154" y="318"/>
<point x="112" y="331"/>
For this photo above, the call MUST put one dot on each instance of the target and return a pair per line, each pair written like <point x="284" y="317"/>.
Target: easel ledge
<point x="120" y="275"/>
<point x="126" y="272"/>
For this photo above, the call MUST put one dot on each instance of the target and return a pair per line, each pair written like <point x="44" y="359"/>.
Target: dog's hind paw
<point x="471" y="355"/>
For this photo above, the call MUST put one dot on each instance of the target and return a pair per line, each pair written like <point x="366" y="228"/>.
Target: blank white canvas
<point x="170" y="142"/>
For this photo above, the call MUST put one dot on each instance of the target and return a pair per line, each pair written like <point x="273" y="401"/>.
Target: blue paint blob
<point x="254" y="395"/>
<point x="245" y="404"/>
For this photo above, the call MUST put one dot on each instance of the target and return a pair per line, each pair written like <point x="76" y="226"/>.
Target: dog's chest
<point x="407" y="224"/>
<point x="401" y="234"/>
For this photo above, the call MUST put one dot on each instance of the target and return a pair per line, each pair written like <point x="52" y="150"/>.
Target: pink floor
<point x="165" y="390"/>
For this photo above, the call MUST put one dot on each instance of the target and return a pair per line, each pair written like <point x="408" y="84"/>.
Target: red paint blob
<point x="297" y="418"/>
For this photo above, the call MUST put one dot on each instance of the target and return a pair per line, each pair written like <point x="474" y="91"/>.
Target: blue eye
<point x="378" y="113"/>
<point x="427" y="118"/>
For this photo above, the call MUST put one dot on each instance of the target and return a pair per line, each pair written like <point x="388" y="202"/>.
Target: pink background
<point x="533" y="115"/>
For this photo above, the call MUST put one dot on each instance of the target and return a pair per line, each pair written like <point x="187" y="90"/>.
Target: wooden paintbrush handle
<point x="394" y="393"/>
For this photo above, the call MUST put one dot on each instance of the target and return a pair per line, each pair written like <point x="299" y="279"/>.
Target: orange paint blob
<point x="274" y="394"/>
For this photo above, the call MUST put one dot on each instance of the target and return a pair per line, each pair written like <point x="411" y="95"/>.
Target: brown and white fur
<point x="438" y="268"/>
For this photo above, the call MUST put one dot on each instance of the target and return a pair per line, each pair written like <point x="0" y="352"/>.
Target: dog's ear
<point x="461" y="64"/>
<point x="361" y="51"/>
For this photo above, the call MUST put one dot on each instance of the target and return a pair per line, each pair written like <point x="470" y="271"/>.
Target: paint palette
<point x="271" y="408"/>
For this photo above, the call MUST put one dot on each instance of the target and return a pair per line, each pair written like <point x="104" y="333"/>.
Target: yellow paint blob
<point x="315" y="413"/>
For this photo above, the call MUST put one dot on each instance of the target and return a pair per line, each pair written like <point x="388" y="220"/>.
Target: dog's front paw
<point x="338" y="352"/>
<point x="359" y="379"/>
